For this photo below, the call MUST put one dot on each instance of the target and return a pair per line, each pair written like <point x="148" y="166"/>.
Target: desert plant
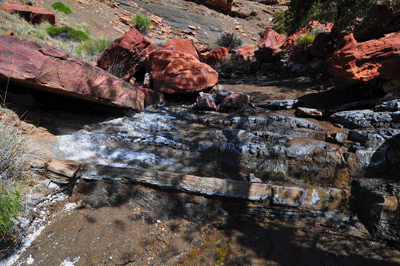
<point x="91" y="49"/>
<point x="228" y="40"/>
<point x="71" y="32"/>
<point x="14" y="150"/>
<point x="315" y="31"/>
<point x="10" y="204"/>
<point x="280" y="24"/>
<point x="93" y="46"/>
<point x="142" y="23"/>
<point x="344" y="14"/>
<point x="59" y="6"/>
<point x="304" y="40"/>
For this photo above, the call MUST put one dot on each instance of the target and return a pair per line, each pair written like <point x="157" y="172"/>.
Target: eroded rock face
<point x="356" y="62"/>
<point x="270" y="38"/>
<point x="126" y="55"/>
<point x="32" y="14"/>
<point x="47" y="68"/>
<point x="176" y="68"/>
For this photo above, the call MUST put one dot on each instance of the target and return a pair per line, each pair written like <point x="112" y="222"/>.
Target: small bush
<point x="316" y="31"/>
<point x="229" y="40"/>
<point x="279" y="21"/>
<point x="93" y="46"/>
<point x="304" y="40"/>
<point x="72" y="33"/>
<point x="142" y="23"/>
<point x="59" y="6"/>
<point x="10" y="204"/>
<point x="14" y="150"/>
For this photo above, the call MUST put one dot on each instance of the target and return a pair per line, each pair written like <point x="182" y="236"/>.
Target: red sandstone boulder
<point x="245" y="51"/>
<point x="270" y="38"/>
<point x="126" y="55"/>
<point x="206" y="102"/>
<point x="235" y="100"/>
<point x="44" y="67"/>
<point x="357" y="62"/>
<point x="216" y="56"/>
<point x="32" y="14"/>
<point x="176" y="68"/>
<point x="223" y="100"/>
<point x="289" y="43"/>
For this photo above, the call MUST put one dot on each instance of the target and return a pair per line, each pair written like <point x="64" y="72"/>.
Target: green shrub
<point x="10" y="204"/>
<point x="71" y="32"/>
<point x="343" y="13"/>
<point x="59" y="6"/>
<point x="14" y="150"/>
<point x="280" y="24"/>
<point x="228" y="40"/>
<point x="142" y="23"/>
<point x="93" y="46"/>
<point x="304" y="40"/>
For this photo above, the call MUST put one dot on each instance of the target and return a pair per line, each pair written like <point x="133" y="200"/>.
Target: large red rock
<point x="270" y="38"/>
<point x="44" y="67"/>
<point x="357" y="62"/>
<point x="216" y="56"/>
<point x="176" y="68"/>
<point x="32" y="14"/>
<point x="289" y="43"/>
<point x="245" y="51"/>
<point x="126" y="55"/>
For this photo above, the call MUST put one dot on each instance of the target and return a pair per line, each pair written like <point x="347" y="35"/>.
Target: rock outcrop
<point x="126" y="55"/>
<point x="270" y="38"/>
<point x="44" y="67"/>
<point x="32" y="14"/>
<point x="176" y="68"/>
<point x="356" y="62"/>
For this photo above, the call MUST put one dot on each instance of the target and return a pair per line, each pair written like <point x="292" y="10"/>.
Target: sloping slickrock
<point x="176" y="68"/>
<point x="32" y="14"/>
<point x="356" y="62"/>
<point x="126" y="55"/>
<point x="216" y="56"/>
<point x="291" y="40"/>
<point x="270" y="38"/>
<point x="44" y="67"/>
